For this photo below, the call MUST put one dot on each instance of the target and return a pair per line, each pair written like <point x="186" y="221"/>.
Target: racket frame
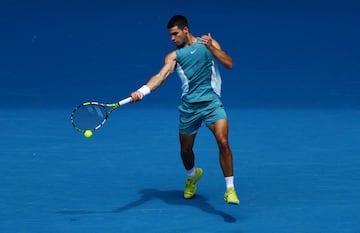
<point x="112" y="107"/>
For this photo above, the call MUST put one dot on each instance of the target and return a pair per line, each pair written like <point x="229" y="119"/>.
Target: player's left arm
<point x="216" y="50"/>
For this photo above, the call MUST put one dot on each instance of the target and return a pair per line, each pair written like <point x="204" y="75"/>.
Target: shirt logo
<point x="193" y="51"/>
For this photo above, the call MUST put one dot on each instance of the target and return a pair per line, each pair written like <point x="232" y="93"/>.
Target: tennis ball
<point x="88" y="133"/>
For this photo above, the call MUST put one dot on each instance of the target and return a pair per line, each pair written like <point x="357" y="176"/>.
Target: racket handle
<point x="125" y="101"/>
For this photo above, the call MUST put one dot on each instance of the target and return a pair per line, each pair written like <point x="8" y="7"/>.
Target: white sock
<point x="190" y="172"/>
<point x="229" y="182"/>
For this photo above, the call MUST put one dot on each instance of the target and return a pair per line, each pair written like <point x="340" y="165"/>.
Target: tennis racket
<point x="92" y="115"/>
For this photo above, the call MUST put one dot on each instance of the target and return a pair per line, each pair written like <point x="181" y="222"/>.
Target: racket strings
<point x="90" y="116"/>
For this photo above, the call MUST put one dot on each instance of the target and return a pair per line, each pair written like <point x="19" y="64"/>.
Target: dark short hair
<point x="179" y="21"/>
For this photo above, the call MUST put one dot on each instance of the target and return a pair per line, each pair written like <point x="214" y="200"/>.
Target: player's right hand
<point x="136" y="96"/>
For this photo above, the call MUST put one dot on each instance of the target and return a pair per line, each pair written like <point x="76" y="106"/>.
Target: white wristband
<point x="144" y="90"/>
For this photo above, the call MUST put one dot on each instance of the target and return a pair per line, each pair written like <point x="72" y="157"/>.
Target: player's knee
<point x="223" y="145"/>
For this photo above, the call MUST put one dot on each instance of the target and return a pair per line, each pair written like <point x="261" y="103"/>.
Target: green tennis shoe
<point x="190" y="187"/>
<point x="231" y="197"/>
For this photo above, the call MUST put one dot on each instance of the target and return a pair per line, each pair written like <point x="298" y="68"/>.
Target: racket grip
<point x="125" y="101"/>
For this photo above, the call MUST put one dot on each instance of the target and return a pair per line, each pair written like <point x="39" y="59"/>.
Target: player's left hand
<point x="206" y="40"/>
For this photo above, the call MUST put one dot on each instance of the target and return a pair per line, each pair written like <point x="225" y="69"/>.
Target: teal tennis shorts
<point x="192" y="115"/>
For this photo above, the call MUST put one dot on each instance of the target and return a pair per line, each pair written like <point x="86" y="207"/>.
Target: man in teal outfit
<point x="195" y="61"/>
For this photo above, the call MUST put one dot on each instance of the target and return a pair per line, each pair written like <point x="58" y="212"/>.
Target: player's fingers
<point x="134" y="97"/>
<point x="140" y="95"/>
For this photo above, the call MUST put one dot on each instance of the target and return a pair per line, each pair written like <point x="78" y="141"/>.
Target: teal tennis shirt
<point x="199" y="74"/>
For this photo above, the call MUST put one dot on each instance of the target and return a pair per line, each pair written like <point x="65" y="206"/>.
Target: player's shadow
<point x="174" y="197"/>
<point x="171" y="197"/>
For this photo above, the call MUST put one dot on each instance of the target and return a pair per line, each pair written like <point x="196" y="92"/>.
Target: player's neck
<point x="191" y="40"/>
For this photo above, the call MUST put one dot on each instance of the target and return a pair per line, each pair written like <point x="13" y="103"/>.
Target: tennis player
<point x="195" y="61"/>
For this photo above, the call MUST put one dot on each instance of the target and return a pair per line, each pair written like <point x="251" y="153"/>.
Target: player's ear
<point x="186" y="29"/>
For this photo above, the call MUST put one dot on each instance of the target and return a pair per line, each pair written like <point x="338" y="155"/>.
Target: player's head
<point x="178" y="21"/>
<point x="178" y="29"/>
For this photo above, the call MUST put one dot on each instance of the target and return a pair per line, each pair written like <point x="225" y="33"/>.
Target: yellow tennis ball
<point x="88" y="133"/>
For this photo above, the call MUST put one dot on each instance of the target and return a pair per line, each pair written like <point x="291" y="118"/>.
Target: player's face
<point x="179" y="36"/>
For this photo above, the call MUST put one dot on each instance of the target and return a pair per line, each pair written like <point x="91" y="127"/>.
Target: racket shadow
<point x="170" y="197"/>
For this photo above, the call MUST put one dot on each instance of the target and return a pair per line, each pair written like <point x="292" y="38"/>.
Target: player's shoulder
<point x="171" y="55"/>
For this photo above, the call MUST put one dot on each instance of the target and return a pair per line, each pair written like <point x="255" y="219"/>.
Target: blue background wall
<point x="287" y="54"/>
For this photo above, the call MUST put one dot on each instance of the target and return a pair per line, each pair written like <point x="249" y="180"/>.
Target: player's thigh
<point x="220" y="129"/>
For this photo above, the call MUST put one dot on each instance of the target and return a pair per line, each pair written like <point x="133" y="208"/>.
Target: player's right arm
<point x="155" y="81"/>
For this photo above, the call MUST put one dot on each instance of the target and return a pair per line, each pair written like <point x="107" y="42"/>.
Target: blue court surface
<point x="292" y="100"/>
<point x="296" y="171"/>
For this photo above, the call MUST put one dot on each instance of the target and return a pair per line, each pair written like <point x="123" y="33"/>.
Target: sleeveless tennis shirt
<point x="199" y="74"/>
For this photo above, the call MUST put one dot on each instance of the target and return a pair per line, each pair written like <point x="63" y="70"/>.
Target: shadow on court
<point x="170" y="197"/>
